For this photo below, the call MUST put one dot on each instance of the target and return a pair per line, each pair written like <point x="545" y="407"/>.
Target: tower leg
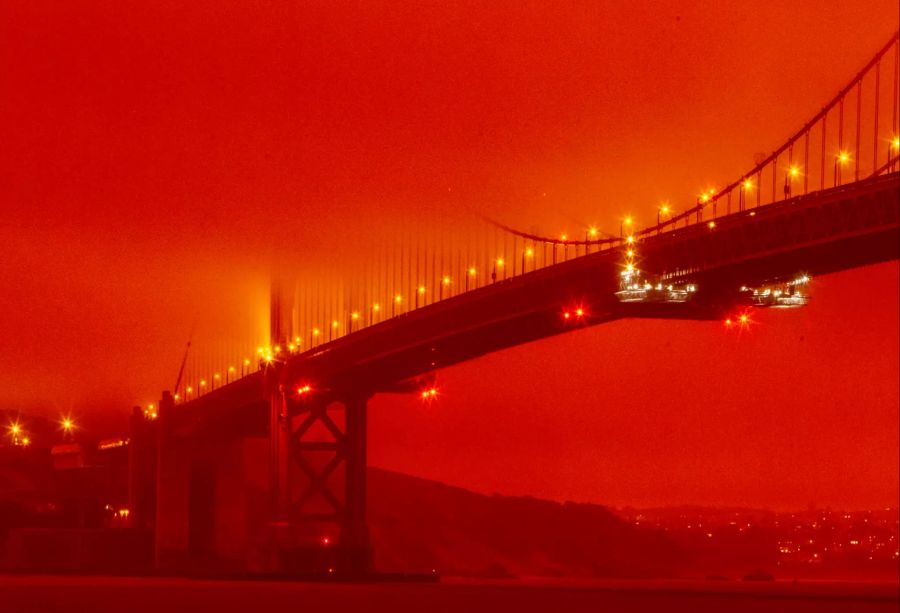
<point x="354" y="531"/>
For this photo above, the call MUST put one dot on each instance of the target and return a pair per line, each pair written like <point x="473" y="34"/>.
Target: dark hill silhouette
<point x="420" y="525"/>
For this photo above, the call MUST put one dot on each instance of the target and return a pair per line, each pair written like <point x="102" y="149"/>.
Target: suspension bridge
<point x="287" y="420"/>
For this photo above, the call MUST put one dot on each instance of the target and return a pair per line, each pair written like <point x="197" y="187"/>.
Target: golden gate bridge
<point x="287" y="419"/>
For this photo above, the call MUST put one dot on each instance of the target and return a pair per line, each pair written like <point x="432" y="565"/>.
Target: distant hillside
<point x="420" y="525"/>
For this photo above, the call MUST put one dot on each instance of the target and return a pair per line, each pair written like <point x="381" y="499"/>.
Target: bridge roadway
<point x="818" y="233"/>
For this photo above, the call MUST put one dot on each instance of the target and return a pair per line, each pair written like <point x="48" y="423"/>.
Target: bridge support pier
<point x="318" y="444"/>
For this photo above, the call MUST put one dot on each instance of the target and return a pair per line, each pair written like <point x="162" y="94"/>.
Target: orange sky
<point x="156" y="158"/>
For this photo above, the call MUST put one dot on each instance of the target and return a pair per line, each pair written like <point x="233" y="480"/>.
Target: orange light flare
<point x="304" y="389"/>
<point x="574" y="314"/>
<point x="428" y="394"/>
<point x="742" y="321"/>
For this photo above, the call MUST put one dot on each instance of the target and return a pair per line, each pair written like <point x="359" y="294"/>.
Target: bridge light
<point x="630" y="239"/>
<point x="579" y="312"/>
<point x="26" y="441"/>
<point x="429" y="393"/>
<point x="664" y="209"/>
<point x="189" y="389"/>
<point x="567" y="315"/>
<point x="747" y="184"/>
<point x="630" y="253"/>
<point x="15" y="429"/>
<point x="472" y="271"/>
<point x="315" y="332"/>
<point x="376" y="307"/>
<point x="421" y="289"/>
<point x="246" y="362"/>
<point x="629" y="268"/>
<point x="304" y="389"/>
<point x="794" y="171"/>
<point x="563" y="237"/>
<point x="354" y="315"/>
<point x="896" y="142"/>
<point x="446" y="280"/>
<point x="68" y="425"/>
<point x="297" y="340"/>
<point x="259" y="350"/>
<point x="744" y="319"/>
<point x="334" y="323"/>
<point x="499" y="262"/>
<point x="711" y="225"/>
<point x="843" y="157"/>
<point x="592" y="231"/>
<point x="231" y="369"/>
<point x="217" y="376"/>
<point x="203" y="383"/>
<point x="529" y="252"/>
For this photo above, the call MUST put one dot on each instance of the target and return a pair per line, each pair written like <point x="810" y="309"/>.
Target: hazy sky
<point x="156" y="157"/>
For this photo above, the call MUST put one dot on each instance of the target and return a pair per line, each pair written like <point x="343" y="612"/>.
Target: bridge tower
<point x="317" y="466"/>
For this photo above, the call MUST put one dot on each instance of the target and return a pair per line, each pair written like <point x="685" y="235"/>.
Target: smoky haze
<point x="160" y="161"/>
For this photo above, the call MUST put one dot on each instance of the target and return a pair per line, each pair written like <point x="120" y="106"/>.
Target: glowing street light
<point x="839" y="162"/>
<point x="664" y="209"/>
